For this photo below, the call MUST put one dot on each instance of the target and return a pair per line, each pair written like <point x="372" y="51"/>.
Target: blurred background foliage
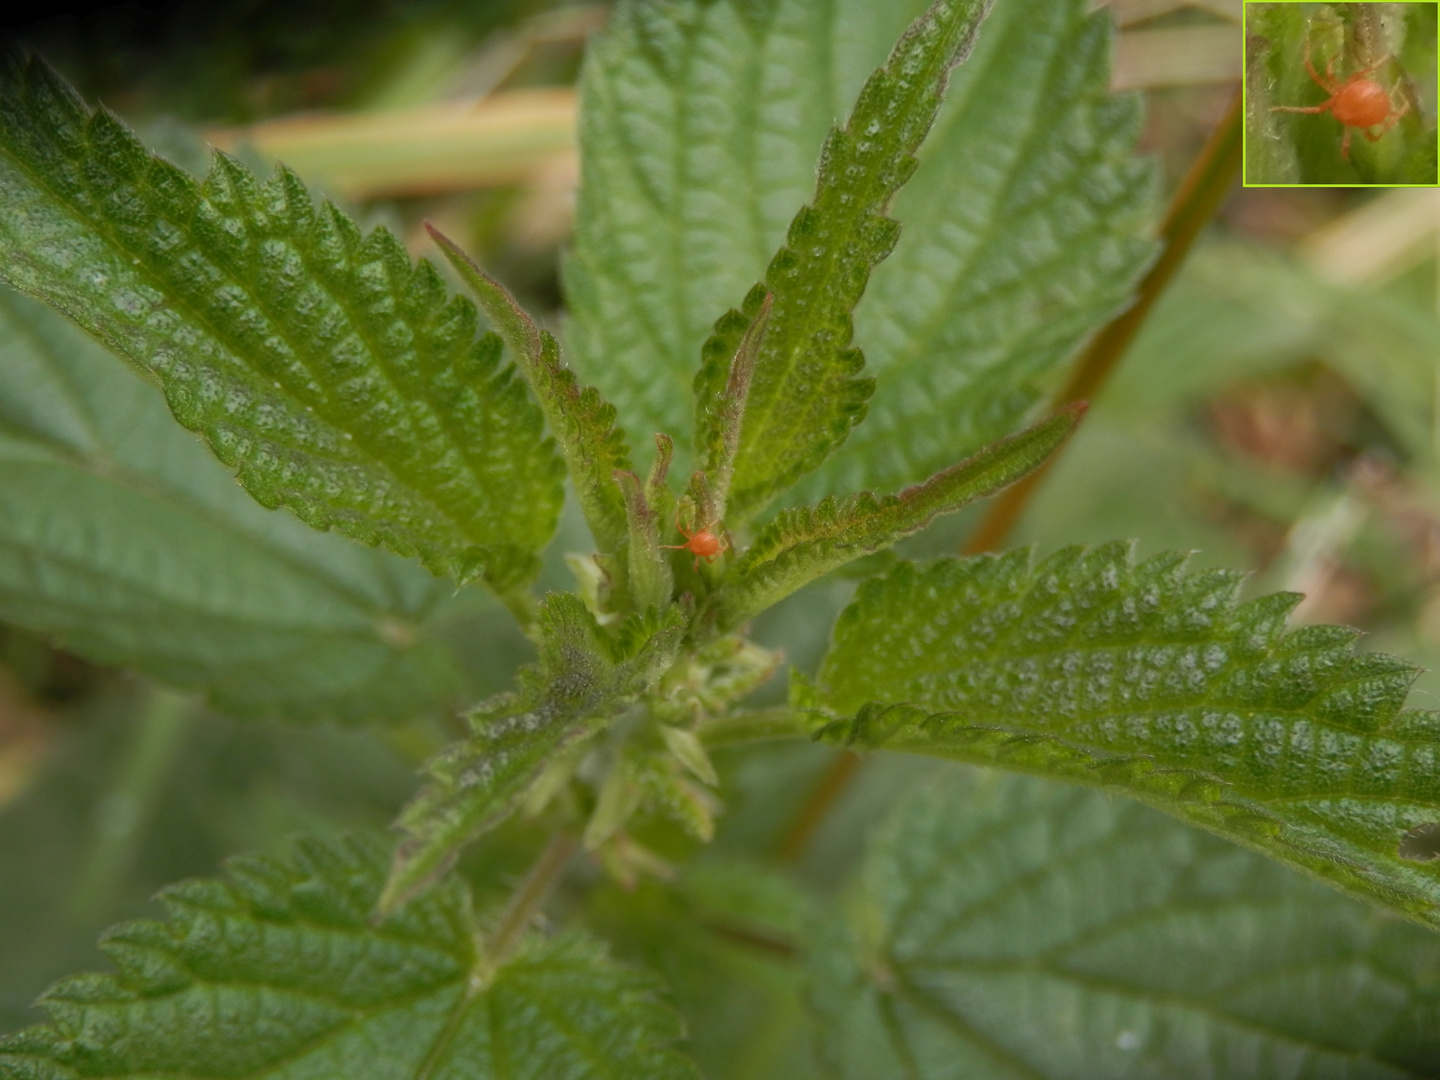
<point x="1280" y="412"/>
<point x="1299" y="148"/>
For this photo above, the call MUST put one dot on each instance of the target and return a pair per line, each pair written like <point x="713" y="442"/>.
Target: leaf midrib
<point x="1256" y="795"/>
<point x="1004" y="647"/>
<point x="928" y="701"/>
<point x="359" y="1018"/>
<point x="1015" y="882"/>
<point x="925" y="1000"/>
<point x="852" y="517"/>
<point x="455" y="1020"/>
<point x="360" y="1015"/>
<point x="125" y="479"/>
<point x="166" y="609"/>
<point x="905" y="989"/>
<point x="139" y="264"/>
<point x="23" y="328"/>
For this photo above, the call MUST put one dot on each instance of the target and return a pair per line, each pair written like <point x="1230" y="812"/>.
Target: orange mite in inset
<point x="702" y="543"/>
<point x="1358" y="102"/>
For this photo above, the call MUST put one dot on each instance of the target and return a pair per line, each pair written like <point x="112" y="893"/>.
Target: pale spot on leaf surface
<point x="1422" y="843"/>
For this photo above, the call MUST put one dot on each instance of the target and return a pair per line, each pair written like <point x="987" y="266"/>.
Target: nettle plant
<point x="1003" y="926"/>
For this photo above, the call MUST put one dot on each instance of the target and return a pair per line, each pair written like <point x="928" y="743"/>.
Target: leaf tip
<point x="410" y="875"/>
<point x="436" y="235"/>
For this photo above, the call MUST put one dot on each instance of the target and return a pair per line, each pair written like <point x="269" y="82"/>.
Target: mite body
<point x="1358" y="102"/>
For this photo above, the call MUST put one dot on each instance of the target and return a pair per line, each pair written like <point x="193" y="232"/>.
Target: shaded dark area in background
<point x="236" y="61"/>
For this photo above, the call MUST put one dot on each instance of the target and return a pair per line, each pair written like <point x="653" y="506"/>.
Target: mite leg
<point x="1298" y="108"/>
<point x="1388" y="123"/>
<point x="1345" y="146"/>
<point x="1366" y="71"/>
<point x="1326" y="84"/>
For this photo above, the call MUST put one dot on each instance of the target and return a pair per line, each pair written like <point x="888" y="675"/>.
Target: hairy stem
<point x="526" y="903"/>
<point x="763" y="725"/>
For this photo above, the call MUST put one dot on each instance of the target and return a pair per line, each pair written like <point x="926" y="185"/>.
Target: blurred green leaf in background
<point x="1004" y="927"/>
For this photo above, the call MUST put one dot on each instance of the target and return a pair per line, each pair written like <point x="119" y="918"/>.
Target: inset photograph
<point x="1340" y="94"/>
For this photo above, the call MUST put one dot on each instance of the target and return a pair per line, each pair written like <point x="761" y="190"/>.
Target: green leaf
<point x="583" y="678"/>
<point x="1151" y="679"/>
<point x="807" y="391"/>
<point x="684" y="200"/>
<point x="593" y="447"/>
<point x="1012" y="928"/>
<point x="721" y="934"/>
<point x="330" y="372"/>
<point x="650" y="580"/>
<point x="720" y="407"/>
<point x="124" y="540"/>
<point x="1024" y="229"/>
<point x="276" y="971"/>
<point x="802" y="545"/>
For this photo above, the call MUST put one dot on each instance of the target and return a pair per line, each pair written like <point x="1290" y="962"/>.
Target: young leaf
<point x="1151" y="679"/>
<point x="645" y="773"/>
<point x="1024" y="229"/>
<point x="124" y="540"/>
<point x="807" y="392"/>
<point x="583" y="421"/>
<point x="649" y="575"/>
<point x="333" y="375"/>
<point x="276" y="971"/>
<point x="582" y="679"/>
<point x="1013" y="928"/>
<point x="684" y="199"/>
<point x="720" y="415"/>
<point x="802" y="545"/>
<point x="721" y="933"/>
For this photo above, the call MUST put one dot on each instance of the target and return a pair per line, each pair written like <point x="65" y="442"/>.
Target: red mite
<point x="1358" y="102"/>
<point x="702" y="543"/>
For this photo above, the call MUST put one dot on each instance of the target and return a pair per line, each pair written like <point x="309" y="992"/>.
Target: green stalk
<point x="764" y="725"/>
<point x="124" y="811"/>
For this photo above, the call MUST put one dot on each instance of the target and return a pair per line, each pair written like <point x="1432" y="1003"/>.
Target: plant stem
<point x="769" y="945"/>
<point x="1200" y="195"/>
<point x="1205" y="186"/>
<point x="496" y="948"/>
<point x="764" y="725"/>
<point x="826" y="794"/>
<point x="526" y="903"/>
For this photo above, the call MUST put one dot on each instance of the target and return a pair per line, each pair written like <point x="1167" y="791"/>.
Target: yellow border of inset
<point x="1245" y="92"/>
